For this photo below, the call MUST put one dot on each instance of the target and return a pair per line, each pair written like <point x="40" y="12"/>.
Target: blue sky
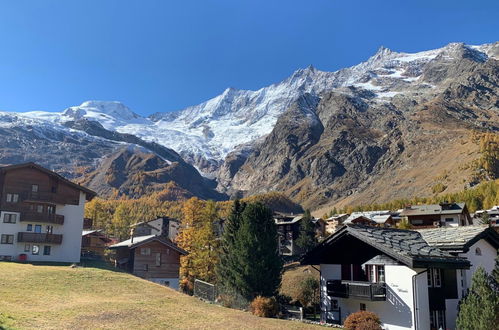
<point x="165" y="55"/>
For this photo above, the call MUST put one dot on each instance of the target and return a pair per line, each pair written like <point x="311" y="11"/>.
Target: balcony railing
<point x="42" y="217"/>
<point x="45" y="197"/>
<point x="357" y="289"/>
<point x="39" y="238"/>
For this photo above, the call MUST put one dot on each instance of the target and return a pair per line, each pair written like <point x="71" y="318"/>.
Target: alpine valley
<point x="393" y="126"/>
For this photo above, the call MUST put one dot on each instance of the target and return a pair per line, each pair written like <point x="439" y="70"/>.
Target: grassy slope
<point x="293" y="275"/>
<point x="60" y="297"/>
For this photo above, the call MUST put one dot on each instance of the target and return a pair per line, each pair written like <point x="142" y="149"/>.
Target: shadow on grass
<point x="84" y="263"/>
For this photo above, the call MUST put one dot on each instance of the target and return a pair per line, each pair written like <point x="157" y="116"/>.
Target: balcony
<point x="42" y="217"/>
<point x="357" y="289"/>
<point x="39" y="238"/>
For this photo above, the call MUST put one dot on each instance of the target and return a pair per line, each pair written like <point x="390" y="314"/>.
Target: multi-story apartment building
<point x="41" y="214"/>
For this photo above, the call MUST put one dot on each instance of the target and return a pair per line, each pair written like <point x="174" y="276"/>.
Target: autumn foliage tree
<point x="197" y="236"/>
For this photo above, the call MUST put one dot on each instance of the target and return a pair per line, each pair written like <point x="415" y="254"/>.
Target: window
<point x="27" y="247"/>
<point x="449" y="219"/>
<point x="434" y="277"/>
<point x="7" y="239"/>
<point x="51" y="209"/>
<point x="35" y="249"/>
<point x="168" y="251"/>
<point x="145" y="251"/>
<point x="362" y="306"/>
<point x="53" y="190"/>
<point x="9" y="218"/>
<point x="29" y="227"/>
<point x="39" y="208"/>
<point x="38" y="228"/>
<point x="437" y="319"/>
<point x="146" y="267"/>
<point x="375" y="273"/>
<point x="417" y="222"/>
<point x="158" y="259"/>
<point x="12" y="198"/>
<point x="334" y="305"/>
<point x="50" y="229"/>
<point x="34" y="188"/>
<point x="46" y="250"/>
<point x="478" y="252"/>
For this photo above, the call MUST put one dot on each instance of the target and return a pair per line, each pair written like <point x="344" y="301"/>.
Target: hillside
<point x="90" y="298"/>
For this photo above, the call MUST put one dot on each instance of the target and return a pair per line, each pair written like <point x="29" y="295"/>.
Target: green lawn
<point x="60" y="297"/>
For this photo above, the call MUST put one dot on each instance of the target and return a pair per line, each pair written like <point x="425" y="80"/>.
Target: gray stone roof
<point x="457" y="238"/>
<point x="431" y="209"/>
<point x="406" y="246"/>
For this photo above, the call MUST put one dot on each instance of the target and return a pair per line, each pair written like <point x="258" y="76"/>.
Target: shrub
<point x="438" y="188"/>
<point x="264" y="307"/>
<point x="362" y="320"/>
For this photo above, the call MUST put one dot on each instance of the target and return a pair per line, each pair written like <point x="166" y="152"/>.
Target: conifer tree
<point x="258" y="262"/>
<point x="227" y="268"/>
<point x="479" y="309"/>
<point x="306" y="238"/>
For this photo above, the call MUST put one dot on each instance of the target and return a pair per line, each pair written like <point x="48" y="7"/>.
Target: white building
<point x="410" y="279"/>
<point x="41" y="215"/>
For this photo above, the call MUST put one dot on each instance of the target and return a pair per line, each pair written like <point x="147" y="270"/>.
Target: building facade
<point x="410" y="279"/>
<point x="438" y="215"/>
<point x="41" y="215"/>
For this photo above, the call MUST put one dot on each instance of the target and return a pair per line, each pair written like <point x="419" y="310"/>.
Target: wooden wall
<point x="169" y="264"/>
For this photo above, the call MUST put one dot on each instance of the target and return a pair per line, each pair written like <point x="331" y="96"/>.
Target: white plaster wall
<point x="486" y="260"/>
<point x="68" y="251"/>
<point x="10" y="229"/>
<point x="174" y="282"/>
<point x="397" y="311"/>
<point x="454" y="223"/>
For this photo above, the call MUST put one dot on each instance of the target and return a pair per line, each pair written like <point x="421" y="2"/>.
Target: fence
<point x="205" y="290"/>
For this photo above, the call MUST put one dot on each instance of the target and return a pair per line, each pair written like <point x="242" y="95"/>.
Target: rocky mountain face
<point x="388" y="127"/>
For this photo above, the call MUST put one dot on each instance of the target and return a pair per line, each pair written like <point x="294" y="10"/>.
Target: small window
<point x="51" y="209"/>
<point x="50" y="229"/>
<point x="335" y="305"/>
<point x="53" y="189"/>
<point x="146" y="267"/>
<point x="46" y="250"/>
<point x="38" y="228"/>
<point x="449" y="219"/>
<point x="35" y="249"/>
<point x="12" y="198"/>
<point x="362" y="306"/>
<point x="434" y="278"/>
<point x="9" y="218"/>
<point x="380" y="273"/>
<point x="34" y="188"/>
<point x="145" y="251"/>
<point x="168" y="251"/>
<point x="27" y="247"/>
<point x="7" y="239"/>
<point x="478" y="252"/>
<point x="158" y="259"/>
<point x="417" y="222"/>
<point x="39" y="208"/>
<point x="29" y="227"/>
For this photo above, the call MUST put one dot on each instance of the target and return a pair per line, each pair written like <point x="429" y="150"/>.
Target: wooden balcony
<point x="357" y="289"/>
<point x="25" y="237"/>
<point x="31" y="216"/>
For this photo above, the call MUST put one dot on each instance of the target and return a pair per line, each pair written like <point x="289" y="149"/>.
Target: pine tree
<point x="306" y="237"/>
<point x="479" y="309"/>
<point x="227" y="267"/>
<point x="258" y="262"/>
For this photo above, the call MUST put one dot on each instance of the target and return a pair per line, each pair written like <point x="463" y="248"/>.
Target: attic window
<point x="478" y="252"/>
<point x="145" y="251"/>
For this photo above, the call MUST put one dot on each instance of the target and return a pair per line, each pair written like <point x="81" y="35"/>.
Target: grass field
<point x="60" y="297"/>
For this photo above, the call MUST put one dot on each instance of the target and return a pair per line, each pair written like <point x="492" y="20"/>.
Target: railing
<point x="24" y="237"/>
<point x="42" y="217"/>
<point x="357" y="289"/>
<point x="45" y="197"/>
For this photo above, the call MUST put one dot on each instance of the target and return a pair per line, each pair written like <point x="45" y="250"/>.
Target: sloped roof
<point x="460" y="238"/>
<point x="432" y="209"/>
<point x="89" y="193"/>
<point x="381" y="218"/>
<point x="406" y="246"/>
<point x="140" y="240"/>
<point x="284" y="222"/>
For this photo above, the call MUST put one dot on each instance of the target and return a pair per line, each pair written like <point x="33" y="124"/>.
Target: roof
<point x="294" y="220"/>
<point x="140" y="240"/>
<point x="89" y="193"/>
<point x="146" y="222"/>
<point x="459" y="239"/>
<point x="405" y="246"/>
<point x="381" y="218"/>
<point x="432" y="209"/>
<point x="88" y="232"/>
